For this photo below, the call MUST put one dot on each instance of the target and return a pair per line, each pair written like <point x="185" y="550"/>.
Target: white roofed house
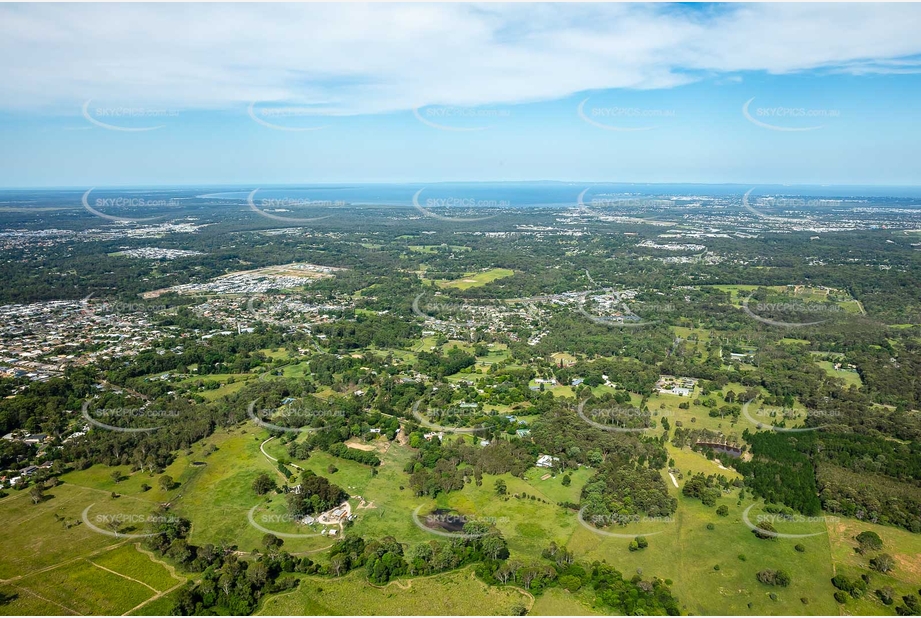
<point x="546" y="461"/>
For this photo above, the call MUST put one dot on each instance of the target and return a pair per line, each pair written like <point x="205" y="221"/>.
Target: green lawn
<point x="902" y="545"/>
<point x="850" y="376"/>
<point x="128" y="561"/>
<point x="686" y="552"/>
<point x="457" y="593"/>
<point x="41" y="540"/>
<point x="75" y="588"/>
<point x="473" y="280"/>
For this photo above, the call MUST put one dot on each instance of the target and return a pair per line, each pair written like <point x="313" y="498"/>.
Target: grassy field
<point x="687" y="553"/>
<point x="227" y="386"/>
<point x="458" y="593"/>
<point x="129" y="562"/>
<point x="112" y="580"/>
<point x="40" y="532"/>
<point x="218" y="496"/>
<point x="214" y="491"/>
<point x="850" y="377"/>
<point x="800" y="293"/>
<point x="437" y="248"/>
<point x="902" y="545"/>
<point x="61" y="570"/>
<point x="559" y="602"/>
<point x="687" y="460"/>
<point x="474" y="280"/>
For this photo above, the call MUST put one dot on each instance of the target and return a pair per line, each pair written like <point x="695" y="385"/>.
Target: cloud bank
<point x="357" y="59"/>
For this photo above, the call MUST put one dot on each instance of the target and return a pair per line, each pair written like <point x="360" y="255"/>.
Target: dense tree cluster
<point x="316" y="494"/>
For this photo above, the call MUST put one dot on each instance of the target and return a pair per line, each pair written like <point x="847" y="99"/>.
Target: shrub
<point x="882" y="563"/>
<point x="800" y="548"/>
<point x="886" y="595"/>
<point x="570" y="582"/>
<point x="765" y="530"/>
<point x="774" y="578"/>
<point x="869" y="540"/>
<point x="263" y="484"/>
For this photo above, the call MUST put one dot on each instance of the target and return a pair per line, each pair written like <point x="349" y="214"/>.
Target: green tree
<point x="882" y="563"/>
<point x="869" y="541"/>
<point x="263" y="484"/>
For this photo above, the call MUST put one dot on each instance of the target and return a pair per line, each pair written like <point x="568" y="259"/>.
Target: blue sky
<point x="246" y="94"/>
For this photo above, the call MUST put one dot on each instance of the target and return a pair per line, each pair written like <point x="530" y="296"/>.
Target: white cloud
<point x="378" y="58"/>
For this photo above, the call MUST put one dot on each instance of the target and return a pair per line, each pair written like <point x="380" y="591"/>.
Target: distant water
<point x="542" y="194"/>
<point x="473" y="194"/>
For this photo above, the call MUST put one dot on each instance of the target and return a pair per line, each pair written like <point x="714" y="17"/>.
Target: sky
<point x="205" y="94"/>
